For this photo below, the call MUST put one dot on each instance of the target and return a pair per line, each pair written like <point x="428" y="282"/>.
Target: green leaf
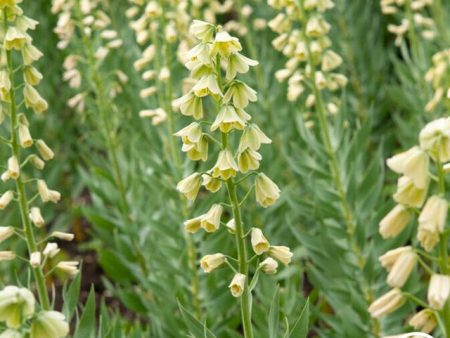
<point x="274" y="317"/>
<point x="300" y="327"/>
<point x="196" y="328"/>
<point x="86" y="325"/>
<point x="70" y="296"/>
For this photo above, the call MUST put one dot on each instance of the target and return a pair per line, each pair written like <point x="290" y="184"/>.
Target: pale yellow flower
<point x="387" y="303"/>
<point x="266" y="191"/>
<point x="281" y="253"/>
<point x="395" y="221"/>
<point x="260" y="243"/>
<point x="211" y="262"/>
<point x="438" y="291"/>
<point x="237" y="284"/>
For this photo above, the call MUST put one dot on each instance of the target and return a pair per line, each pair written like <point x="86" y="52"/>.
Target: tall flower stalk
<point x="214" y="63"/>
<point x="18" y="92"/>
<point x="421" y="190"/>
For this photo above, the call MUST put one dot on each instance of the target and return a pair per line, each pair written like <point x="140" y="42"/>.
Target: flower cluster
<point x="438" y="76"/>
<point x="214" y="63"/>
<point x="411" y="15"/>
<point x="420" y="166"/>
<point x="80" y="23"/>
<point x="17" y="55"/>
<point x="303" y="39"/>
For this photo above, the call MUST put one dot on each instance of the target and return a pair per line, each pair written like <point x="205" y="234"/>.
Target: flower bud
<point x="394" y="222"/>
<point x="25" y="138"/>
<point x="5" y="233"/>
<point x="190" y="186"/>
<point x="402" y="268"/>
<point x="231" y="226"/>
<point x="5" y="199"/>
<point x="13" y="167"/>
<point x="37" y="162"/>
<point x="49" y="324"/>
<point x="36" y="217"/>
<point x="65" y="236"/>
<point x="386" y="304"/>
<point x="211" y="220"/>
<point x="46" y="194"/>
<point x="237" y="285"/>
<point x="7" y="256"/>
<point x="211" y="262"/>
<point x="266" y="191"/>
<point x="281" y="253"/>
<point x="35" y="259"/>
<point x="438" y="291"/>
<point x="269" y="266"/>
<point x="260" y="243"/>
<point x="16" y="304"/>
<point x="44" y="150"/>
<point x="424" y="321"/>
<point x="51" y="250"/>
<point x="69" y="267"/>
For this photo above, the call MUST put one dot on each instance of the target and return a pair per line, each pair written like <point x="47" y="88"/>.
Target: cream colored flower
<point x="228" y="119"/>
<point x="211" y="262"/>
<point x="435" y="138"/>
<point x="46" y="194"/>
<point x="438" y="291"/>
<point x="389" y="258"/>
<point x="281" y="253"/>
<point x="225" y="44"/>
<point x="5" y="233"/>
<point x="25" y="138"/>
<point x="36" y="217"/>
<point x="387" y="303"/>
<point x="269" y="266"/>
<point x="5" y="199"/>
<point x="231" y="226"/>
<point x="248" y="160"/>
<point x="193" y="225"/>
<point x="432" y="222"/>
<point x="424" y="320"/>
<point x="210" y="183"/>
<point x="225" y="166"/>
<point x="191" y="133"/>
<point x="395" y="221"/>
<point x="69" y="267"/>
<point x="44" y="150"/>
<point x="65" y="236"/>
<point x="16" y="304"/>
<point x="260" y="243"/>
<point x="197" y="151"/>
<point x="202" y="30"/>
<point x="190" y="105"/>
<point x="408" y="194"/>
<point x="240" y="94"/>
<point x="13" y="167"/>
<point x="51" y="250"/>
<point x="190" y="186"/>
<point x="238" y="63"/>
<point x="15" y="39"/>
<point x="35" y="259"/>
<point x="412" y="163"/>
<point x="49" y="324"/>
<point x="211" y="220"/>
<point x="402" y="269"/>
<point x="267" y="192"/>
<point x="237" y="284"/>
<point x="207" y="85"/>
<point x="330" y="61"/>
<point x="252" y="138"/>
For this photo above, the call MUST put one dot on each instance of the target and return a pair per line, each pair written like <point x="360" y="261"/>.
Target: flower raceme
<point x="214" y="64"/>
<point x="422" y="191"/>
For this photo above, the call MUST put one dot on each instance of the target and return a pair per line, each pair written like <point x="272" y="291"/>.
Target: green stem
<point x="166" y="103"/>
<point x="246" y="302"/>
<point x="443" y="251"/>
<point x="347" y="213"/>
<point x="109" y="134"/>
<point x="20" y="186"/>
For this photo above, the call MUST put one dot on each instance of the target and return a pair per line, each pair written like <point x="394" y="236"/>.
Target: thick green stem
<point x="20" y="186"/>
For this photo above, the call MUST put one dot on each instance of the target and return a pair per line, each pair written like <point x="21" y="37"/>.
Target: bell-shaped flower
<point x="16" y="305"/>
<point x="225" y="44"/>
<point x="211" y="220"/>
<point x="269" y="266"/>
<point x="237" y="284"/>
<point x="190" y="186"/>
<point x="281" y="253"/>
<point x="412" y="163"/>
<point x="248" y="160"/>
<point x="240" y="94"/>
<point x="238" y="63"/>
<point x="266" y="191"/>
<point x="387" y="303"/>
<point x="395" y="221"/>
<point x="49" y="324"/>
<point x="260" y="244"/>
<point x="228" y="119"/>
<point x="225" y="166"/>
<point x="435" y="138"/>
<point x="409" y="194"/>
<point x="252" y="138"/>
<point x="438" y="291"/>
<point x="211" y="262"/>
